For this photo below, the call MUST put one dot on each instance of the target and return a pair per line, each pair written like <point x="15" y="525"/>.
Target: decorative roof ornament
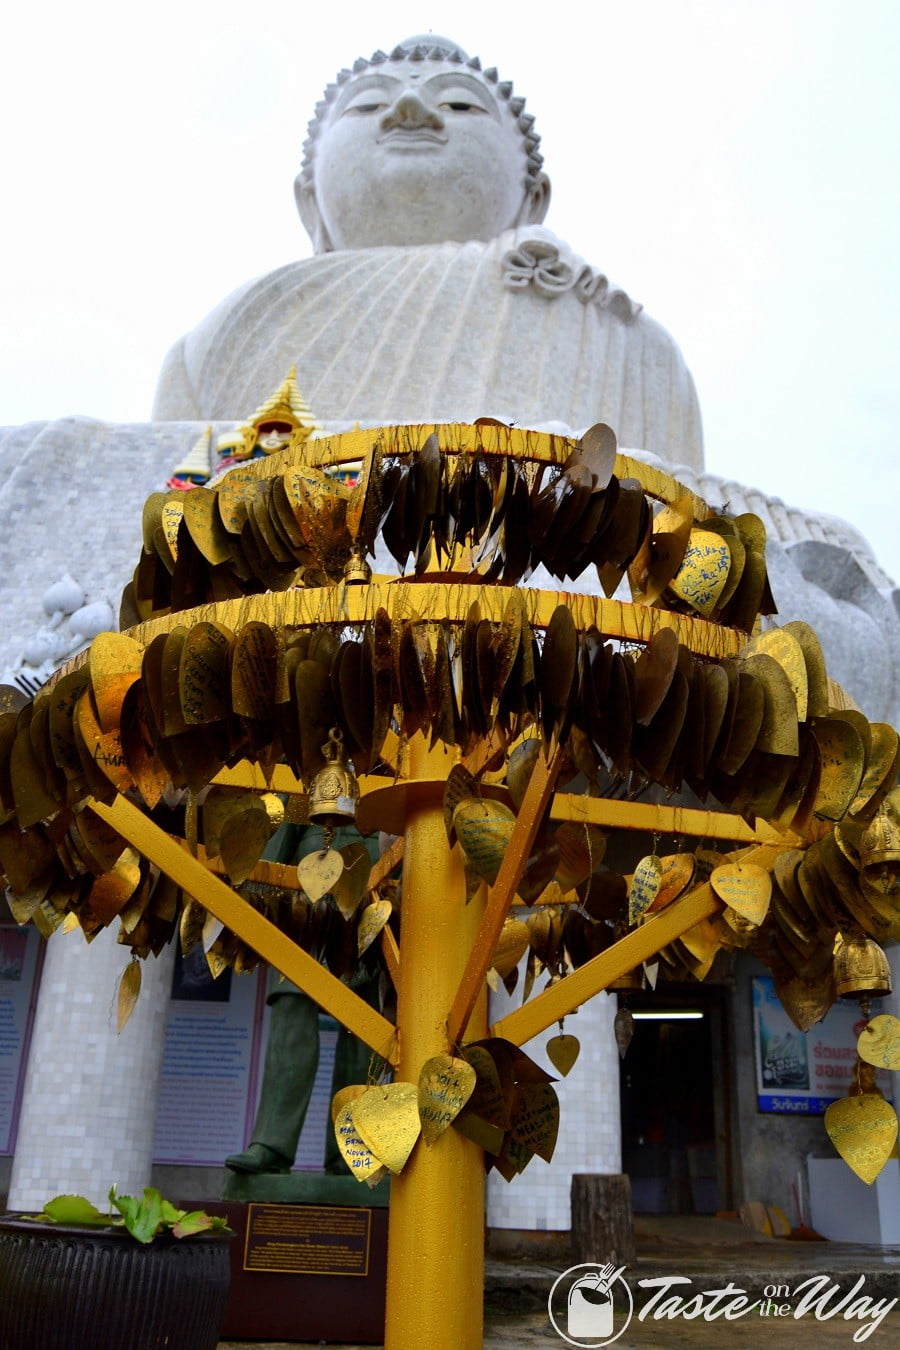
<point x="194" y="470"/>
<point x="283" y="421"/>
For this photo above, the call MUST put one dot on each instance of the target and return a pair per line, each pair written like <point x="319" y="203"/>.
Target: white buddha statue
<point x="435" y="292"/>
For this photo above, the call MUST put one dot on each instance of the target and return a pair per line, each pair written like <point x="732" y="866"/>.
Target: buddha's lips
<point x="419" y="136"/>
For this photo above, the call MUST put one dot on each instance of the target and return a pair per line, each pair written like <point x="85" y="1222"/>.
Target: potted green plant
<point x="73" y="1276"/>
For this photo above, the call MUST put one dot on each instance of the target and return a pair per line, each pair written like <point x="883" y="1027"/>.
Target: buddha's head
<point x="418" y="147"/>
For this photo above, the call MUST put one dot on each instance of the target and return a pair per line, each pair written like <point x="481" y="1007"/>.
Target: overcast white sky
<point x="735" y="166"/>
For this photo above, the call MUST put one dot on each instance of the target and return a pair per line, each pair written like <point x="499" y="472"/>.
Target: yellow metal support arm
<point x="537" y="796"/>
<point x="664" y="819"/>
<point x="271" y="944"/>
<point x="639" y="945"/>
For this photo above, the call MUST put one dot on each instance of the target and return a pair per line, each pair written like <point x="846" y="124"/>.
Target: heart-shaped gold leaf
<point x="111" y="891"/>
<point x="318" y="873"/>
<point x="461" y="785"/>
<point x="519" y="769"/>
<point x="677" y="874"/>
<point x="483" y="828"/>
<point x="562" y="1052"/>
<point x="745" y="888"/>
<point x="644" y="886"/>
<point x="806" y="1001"/>
<point x="103" y="747"/>
<point x="129" y="989"/>
<point x="356" y="1154"/>
<point x="115" y="663"/>
<point x="783" y="646"/>
<point x="535" y="1118"/>
<point x="864" y="1131"/>
<point x="842" y="761"/>
<point x="488" y="1100"/>
<point x="350" y="886"/>
<point x="701" y="578"/>
<point x="778" y="729"/>
<point x="371" y="922"/>
<point x="581" y="849"/>
<point x="879" y="1042"/>
<point x="511" y="946"/>
<point x="387" y="1120"/>
<point x="244" y="835"/>
<point x="344" y="1096"/>
<point x="445" y="1085"/>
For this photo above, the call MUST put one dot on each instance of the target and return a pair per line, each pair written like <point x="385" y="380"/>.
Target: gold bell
<point x="879" y="850"/>
<point x="357" y="571"/>
<point x="335" y="790"/>
<point x="861" y="968"/>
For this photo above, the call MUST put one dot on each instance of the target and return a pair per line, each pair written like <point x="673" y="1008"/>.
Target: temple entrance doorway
<point x="675" y="1102"/>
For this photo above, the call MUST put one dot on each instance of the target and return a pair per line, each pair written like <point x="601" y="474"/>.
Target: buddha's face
<point x="417" y="153"/>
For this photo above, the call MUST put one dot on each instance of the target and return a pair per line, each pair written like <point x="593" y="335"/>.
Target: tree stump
<point x="602" y="1223"/>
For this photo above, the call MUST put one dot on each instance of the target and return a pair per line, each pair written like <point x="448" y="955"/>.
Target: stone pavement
<point x="711" y="1253"/>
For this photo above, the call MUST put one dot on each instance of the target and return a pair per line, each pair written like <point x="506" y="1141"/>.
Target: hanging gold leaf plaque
<point x="488" y="1100"/>
<point x="864" y="1131"/>
<point x="387" y="1120"/>
<point x="677" y="874"/>
<point x="445" y="1085"/>
<point x="806" y="1001"/>
<point x="371" y="922"/>
<point x="129" y="989"/>
<point x="483" y="828"/>
<point x="319" y="872"/>
<point x="344" y="1096"/>
<point x="356" y="1154"/>
<point x="784" y="647"/>
<point x="581" y="849"/>
<point x="701" y="578"/>
<point x="244" y="835"/>
<point x="114" y="663"/>
<point x="511" y="946"/>
<point x="562" y="1052"/>
<point x="879" y="1042"/>
<point x="745" y="888"/>
<point x="644" y="886"/>
<point x="350" y="886"/>
<point x="535" y="1121"/>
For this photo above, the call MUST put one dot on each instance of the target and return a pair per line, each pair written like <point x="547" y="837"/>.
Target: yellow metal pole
<point x="435" y="1282"/>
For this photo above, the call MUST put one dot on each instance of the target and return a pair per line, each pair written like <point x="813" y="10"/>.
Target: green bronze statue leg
<point x="292" y="1056"/>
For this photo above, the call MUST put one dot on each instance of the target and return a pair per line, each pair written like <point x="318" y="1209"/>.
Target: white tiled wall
<point x="90" y="1095"/>
<point x="589" y="1129"/>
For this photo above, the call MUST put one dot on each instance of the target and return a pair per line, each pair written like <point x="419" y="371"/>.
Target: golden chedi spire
<point x="283" y="420"/>
<point x="194" y="469"/>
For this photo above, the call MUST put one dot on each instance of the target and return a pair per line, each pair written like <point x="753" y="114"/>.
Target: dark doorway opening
<point x="673" y="1098"/>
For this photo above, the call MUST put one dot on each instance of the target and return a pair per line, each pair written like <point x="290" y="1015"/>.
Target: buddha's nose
<point x="411" y="110"/>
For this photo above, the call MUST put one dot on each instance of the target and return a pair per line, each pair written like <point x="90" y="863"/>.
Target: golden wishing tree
<point x="502" y="733"/>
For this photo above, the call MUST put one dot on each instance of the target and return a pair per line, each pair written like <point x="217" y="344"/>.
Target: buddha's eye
<point x="459" y="106"/>
<point x="364" y="109"/>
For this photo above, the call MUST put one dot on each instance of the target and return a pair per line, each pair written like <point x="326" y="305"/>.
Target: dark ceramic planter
<point x="70" y="1288"/>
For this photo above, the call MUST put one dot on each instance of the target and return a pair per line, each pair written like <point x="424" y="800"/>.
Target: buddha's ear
<point x="537" y="201"/>
<point x="308" y="207"/>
